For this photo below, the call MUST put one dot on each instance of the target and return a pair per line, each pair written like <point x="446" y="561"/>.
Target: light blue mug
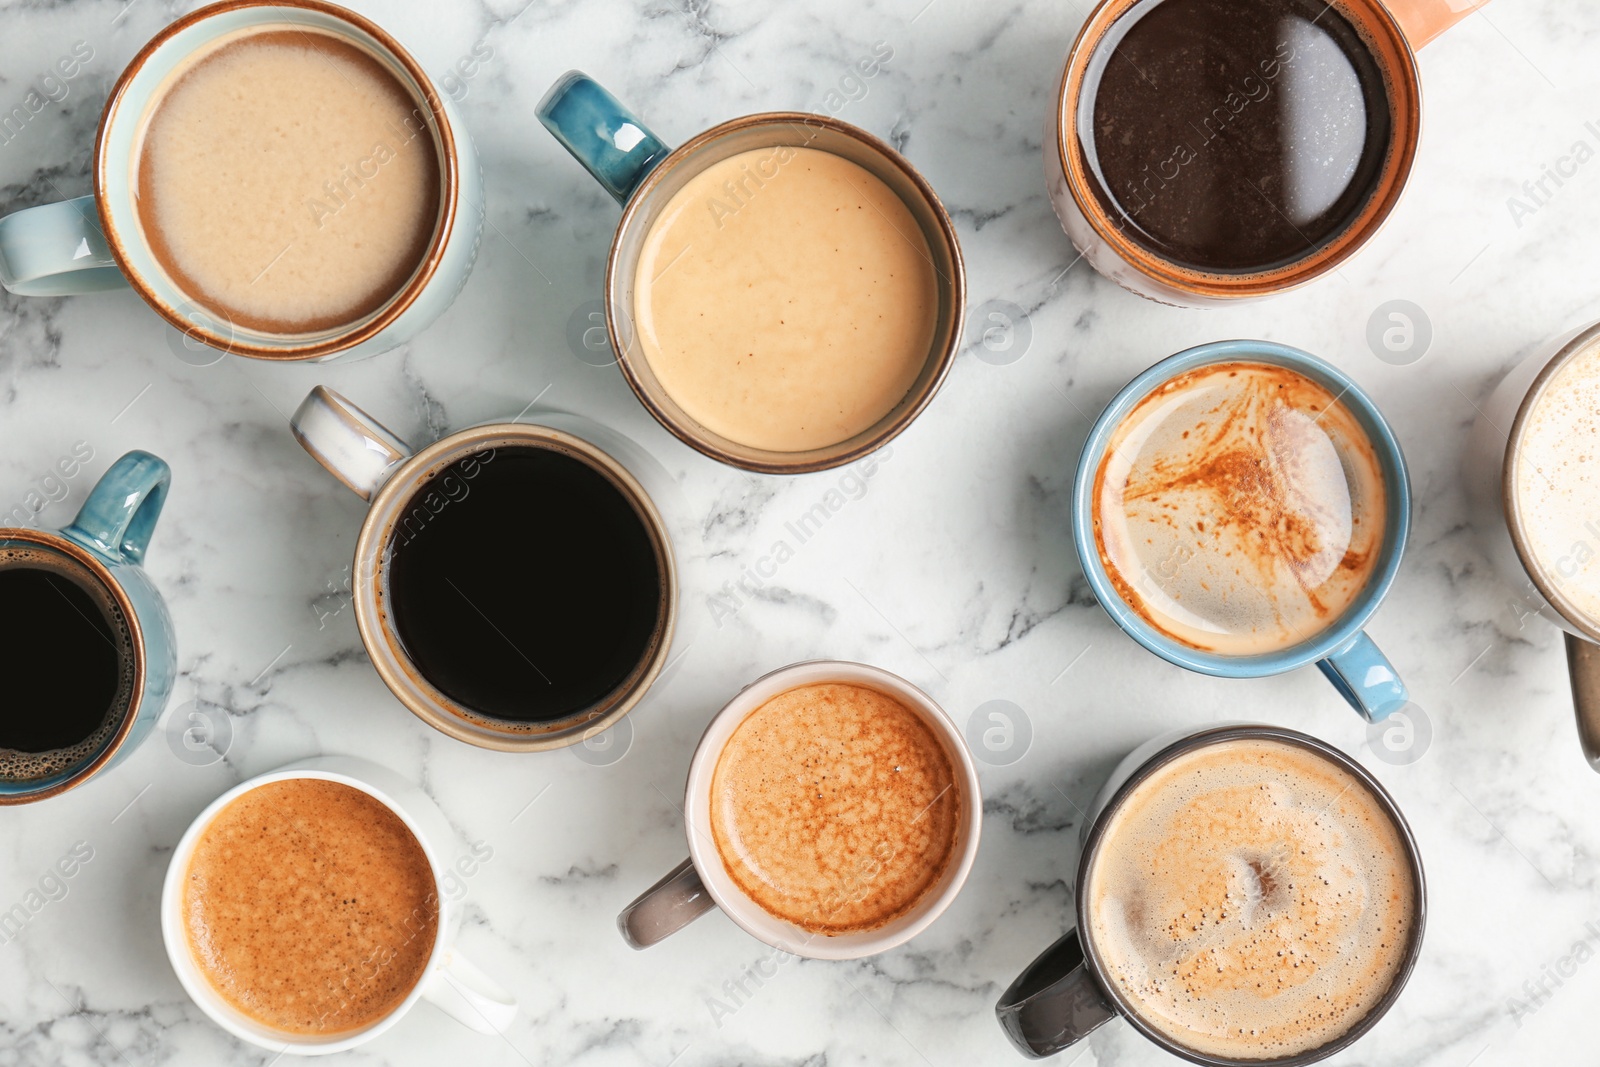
<point x="1342" y="651"/>
<point x="105" y="545"/>
<point x="94" y="243"/>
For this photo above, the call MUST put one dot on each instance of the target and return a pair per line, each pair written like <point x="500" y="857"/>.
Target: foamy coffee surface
<point x="1252" y="900"/>
<point x="19" y="766"/>
<point x="1239" y="508"/>
<point x="835" y="808"/>
<point x="310" y="907"/>
<point x="286" y="180"/>
<point x="1558" y="482"/>
<point x="785" y="298"/>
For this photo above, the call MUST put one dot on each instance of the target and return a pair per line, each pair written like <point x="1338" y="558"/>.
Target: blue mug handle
<point x="607" y="138"/>
<point x="121" y="512"/>
<point x="1365" y="677"/>
<point x="57" y="250"/>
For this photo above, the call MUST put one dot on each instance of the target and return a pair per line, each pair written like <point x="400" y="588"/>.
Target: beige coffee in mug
<point x="287" y="181"/>
<point x="835" y="807"/>
<point x="309" y="906"/>
<point x="785" y="299"/>
<point x="1239" y="508"/>
<point x="1251" y="900"/>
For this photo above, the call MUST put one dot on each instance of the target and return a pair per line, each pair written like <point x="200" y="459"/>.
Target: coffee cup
<point x="815" y="356"/>
<point x="1199" y="188"/>
<point x="1244" y="556"/>
<point x="1534" y="508"/>
<point x="351" y="246"/>
<point x="1180" y="927"/>
<point x="89" y="620"/>
<point x="422" y="941"/>
<point x="514" y="583"/>
<point x="894" y="887"/>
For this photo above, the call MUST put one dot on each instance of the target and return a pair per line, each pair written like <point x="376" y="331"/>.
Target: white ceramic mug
<point x="95" y="242"/>
<point x="1490" y="472"/>
<point x="451" y="982"/>
<point x="702" y="882"/>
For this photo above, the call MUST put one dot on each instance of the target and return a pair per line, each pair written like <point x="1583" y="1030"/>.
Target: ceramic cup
<point x="643" y="174"/>
<point x="96" y="242"/>
<point x="384" y="470"/>
<point x="451" y="982"/>
<point x="701" y="882"/>
<point x="108" y="539"/>
<point x="1393" y="29"/>
<point x="1342" y="651"/>
<point x="1066" y="993"/>
<point x="1489" y="469"/>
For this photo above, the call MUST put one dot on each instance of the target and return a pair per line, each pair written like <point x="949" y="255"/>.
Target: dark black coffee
<point x="67" y="661"/>
<point x="524" y="584"/>
<point x="1234" y="136"/>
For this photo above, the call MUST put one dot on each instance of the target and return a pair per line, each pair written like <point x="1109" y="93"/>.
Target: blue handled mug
<point x="98" y="242"/>
<point x="638" y="169"/>
<point x="100" y="553"/>
<point x="1340" y="649"/>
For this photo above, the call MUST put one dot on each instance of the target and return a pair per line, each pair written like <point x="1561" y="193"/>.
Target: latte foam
<point x="1252" y="900"/>
<point x="1239" y="508"/>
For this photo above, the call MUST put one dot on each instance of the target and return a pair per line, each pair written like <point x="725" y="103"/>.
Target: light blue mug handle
<point x="121" y="512"/>
<point x="57" y="250"/>
<point x="1365" y="677"/>
<point x="611" y="143"/>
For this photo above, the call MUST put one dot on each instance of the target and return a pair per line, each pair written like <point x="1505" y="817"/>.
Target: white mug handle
<point x="355" y="447"/>
<point x="462" y="991"/>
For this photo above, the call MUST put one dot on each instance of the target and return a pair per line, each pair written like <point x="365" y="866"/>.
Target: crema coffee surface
<point x="786" y="299"/>
<point x="1239" y="508"/>
<point x="1557" y="482"/>
<point x="287" y="181"/>
<point x="310" y="907"/>
<point x="1252" y="900"/>
<point x="835" y="807"/>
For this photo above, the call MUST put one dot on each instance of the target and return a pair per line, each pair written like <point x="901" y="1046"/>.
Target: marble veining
<point x="950" y="563"/>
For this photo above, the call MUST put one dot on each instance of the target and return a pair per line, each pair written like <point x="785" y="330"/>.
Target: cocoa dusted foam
<point x="835" y="807"/>
<point x="1557" y="482"/>
<point x="310" y="907"/>
<point x="287" y="180"/>
<point x="1252" y="900"/>
<point x="1239" y="508"/>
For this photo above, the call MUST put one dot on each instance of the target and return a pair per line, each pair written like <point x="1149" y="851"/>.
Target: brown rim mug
<point x="643" y="174"/>
<point x="1391" y="29"/>
<point x="96" y="242"/>
<point x="394" y="478"/>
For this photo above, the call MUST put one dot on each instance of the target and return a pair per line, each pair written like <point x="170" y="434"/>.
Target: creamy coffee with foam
<point x="1557" y="482"/>
<point x="785" y="298"/>
<point x="1239" y="508"/>
<point x="310" y="907"/>
<point x="1252" y="900"/>
<point x="835" y="807"/>
<point x="287" y="180"/>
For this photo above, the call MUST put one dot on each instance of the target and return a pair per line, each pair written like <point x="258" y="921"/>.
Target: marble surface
<point x="951" y="564"/>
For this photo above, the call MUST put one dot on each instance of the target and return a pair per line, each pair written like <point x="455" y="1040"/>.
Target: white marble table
<point x="953" y="566"/>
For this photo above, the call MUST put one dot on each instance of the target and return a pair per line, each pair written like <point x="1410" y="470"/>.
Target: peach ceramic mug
<point x="1392" y="31"/>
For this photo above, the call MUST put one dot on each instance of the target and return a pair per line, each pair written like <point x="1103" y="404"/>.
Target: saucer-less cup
<point x="701" y="882"/>
<point x="451" y="982"/>
<point x="95" y="242"/>
<point x="1342" y="651"/>
<point x="1067" y="993"/>
<point x="108" y="539"/>
<point x="386" y="471"/>
<point x="643" y="174"/>
<point x="1490" y="472"/>
<point x="1393" y="29"/>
